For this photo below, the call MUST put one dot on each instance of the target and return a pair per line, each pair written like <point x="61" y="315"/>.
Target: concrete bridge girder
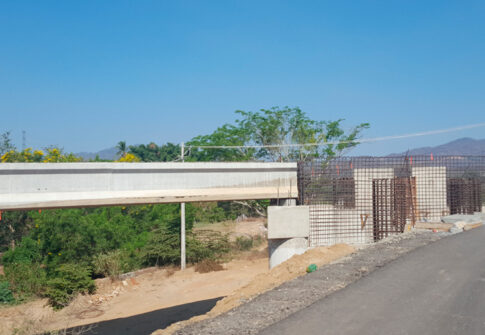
<point x="57" y="185"/>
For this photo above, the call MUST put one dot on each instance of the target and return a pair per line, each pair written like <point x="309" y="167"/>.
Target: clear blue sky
<point x="86" y="74"/>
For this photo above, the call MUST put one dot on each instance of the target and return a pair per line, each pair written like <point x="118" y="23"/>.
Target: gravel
<point x="277" y="304"/>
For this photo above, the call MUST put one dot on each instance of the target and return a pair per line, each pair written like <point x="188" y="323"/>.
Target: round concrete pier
<point x="281" y="250"/>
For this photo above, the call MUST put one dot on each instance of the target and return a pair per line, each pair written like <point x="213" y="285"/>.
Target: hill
<point x="109" y="154"/>
<point x="464" y="146"/>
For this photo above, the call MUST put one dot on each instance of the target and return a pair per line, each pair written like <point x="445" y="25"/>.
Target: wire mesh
<point x="364" y="199"/>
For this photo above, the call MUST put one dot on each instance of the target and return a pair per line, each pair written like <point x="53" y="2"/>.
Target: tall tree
<point x="227" y="135"/>
<point x="278" y="134"/>
<point x="6" y="144"/>
<point x="122" y="149"/>
<point x="153" y="153"/>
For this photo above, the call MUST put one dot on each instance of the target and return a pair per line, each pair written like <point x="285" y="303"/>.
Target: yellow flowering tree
<point x="53" y="155"/>
<point x="129" y="158"/>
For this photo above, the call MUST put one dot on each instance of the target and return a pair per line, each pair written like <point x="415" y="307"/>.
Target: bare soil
<point x="293" y="268"/>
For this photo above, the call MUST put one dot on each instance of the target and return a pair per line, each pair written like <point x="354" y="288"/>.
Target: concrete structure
<point x="330" y="224"/>
<point x="431" y="192"/>
<point x="281" y="250"/>
<point x="56" y="185"/>
<point x="333" y="224"/>
<point x="288" y="221"/>
<point x="288" y="229"/>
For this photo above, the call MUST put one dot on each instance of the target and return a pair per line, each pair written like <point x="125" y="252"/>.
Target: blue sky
<point x="84" y="75"/>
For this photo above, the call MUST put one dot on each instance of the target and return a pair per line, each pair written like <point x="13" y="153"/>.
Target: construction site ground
<point x="246" y="308"/>
<point x="275" y="305"/>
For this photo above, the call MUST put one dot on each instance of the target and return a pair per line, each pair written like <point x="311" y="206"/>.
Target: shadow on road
<point x="148" y="322"/>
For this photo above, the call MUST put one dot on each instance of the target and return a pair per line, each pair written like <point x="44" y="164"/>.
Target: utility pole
<point x="24" y="140"/>
<point x="182" y="221"/>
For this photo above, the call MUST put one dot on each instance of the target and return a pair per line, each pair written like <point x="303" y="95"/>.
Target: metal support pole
<point x="182" y="223"/>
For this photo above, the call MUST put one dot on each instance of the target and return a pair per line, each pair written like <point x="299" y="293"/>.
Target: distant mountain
<point x="464" y="146"/>
<point x="109" y="154"/>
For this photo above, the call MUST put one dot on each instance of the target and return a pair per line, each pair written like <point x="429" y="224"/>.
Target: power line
<point x="364" y="140"/>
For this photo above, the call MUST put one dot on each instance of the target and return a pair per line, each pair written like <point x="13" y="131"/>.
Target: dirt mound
<point x="291" y="269"/>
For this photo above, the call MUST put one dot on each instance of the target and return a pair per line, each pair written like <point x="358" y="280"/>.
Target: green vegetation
<point x="276" y="127"/>
<point x="6" y="296"/>
<point x="57" y="253"/>
<point x="68" y="280"/>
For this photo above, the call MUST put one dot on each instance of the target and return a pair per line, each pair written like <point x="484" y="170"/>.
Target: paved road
<point x="148" y="322"/>
<point x="436" y="289"/>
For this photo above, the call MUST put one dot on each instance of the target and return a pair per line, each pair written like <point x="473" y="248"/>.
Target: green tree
<point x="153" y="153"/>
<point x="6" y="143"/>
<point x="227" y="135"/>
<point x="13" y="226"/>
<point x="278" y="135"/>
<point x="286" y="129"/>
<point x="122" y="149"/>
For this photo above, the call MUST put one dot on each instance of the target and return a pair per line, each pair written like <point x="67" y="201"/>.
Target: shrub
<point x="6" y="296"/>
<point x="208" y="265"/>
<point x="27" y="252"/>
<point x="164" y="247"/>
<point x="26" y="279"/>
<point x="109" y="265"/>
<point x="243" y="243"/>
<point x="69" y="280"/>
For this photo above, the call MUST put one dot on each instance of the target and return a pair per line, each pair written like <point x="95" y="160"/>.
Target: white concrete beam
<point x="57" y="185"/>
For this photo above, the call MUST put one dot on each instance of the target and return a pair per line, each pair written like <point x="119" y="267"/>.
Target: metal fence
<point x="364" y="199"/>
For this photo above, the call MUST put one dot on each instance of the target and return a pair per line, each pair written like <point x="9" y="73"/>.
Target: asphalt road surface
<point x="436" y="289"/>
<point x="148" y="322"/>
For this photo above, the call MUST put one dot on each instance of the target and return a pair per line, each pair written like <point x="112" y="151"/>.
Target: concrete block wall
<point x="431" y="192"/>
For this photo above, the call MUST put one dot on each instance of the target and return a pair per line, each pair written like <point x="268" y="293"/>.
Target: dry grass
<point x="208" y="265"/>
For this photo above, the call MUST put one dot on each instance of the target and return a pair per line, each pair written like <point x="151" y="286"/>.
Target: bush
<point x="27" y="252"/>
<point x="163" y="247"/>
<point x="26" y="279"/>
<point x="208" y="265"/>
<point x="69" y="280"/>
<point x="243" y="243"/>
<point x="6" y="296"/>
<point x="109" y="265"/>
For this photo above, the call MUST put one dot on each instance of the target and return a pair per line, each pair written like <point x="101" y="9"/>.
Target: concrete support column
<point x="288" y="230"/>
<point x="281" y="250"/>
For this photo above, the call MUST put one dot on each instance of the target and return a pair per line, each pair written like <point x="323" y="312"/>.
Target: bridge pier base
<point x="288" y="230"/>
<point x="281" y="250"/>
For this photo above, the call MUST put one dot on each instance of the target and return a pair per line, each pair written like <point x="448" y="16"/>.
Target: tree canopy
<point x="277" y="134"/>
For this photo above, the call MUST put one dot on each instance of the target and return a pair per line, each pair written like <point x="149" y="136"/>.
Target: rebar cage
<point x="364" y="199"/>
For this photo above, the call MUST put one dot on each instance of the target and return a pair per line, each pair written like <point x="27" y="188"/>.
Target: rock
<point x="468" y="218"/>
<point x="456" y="230"/>
<point x="472" y="226"/>
<point x="460" y="224"/>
